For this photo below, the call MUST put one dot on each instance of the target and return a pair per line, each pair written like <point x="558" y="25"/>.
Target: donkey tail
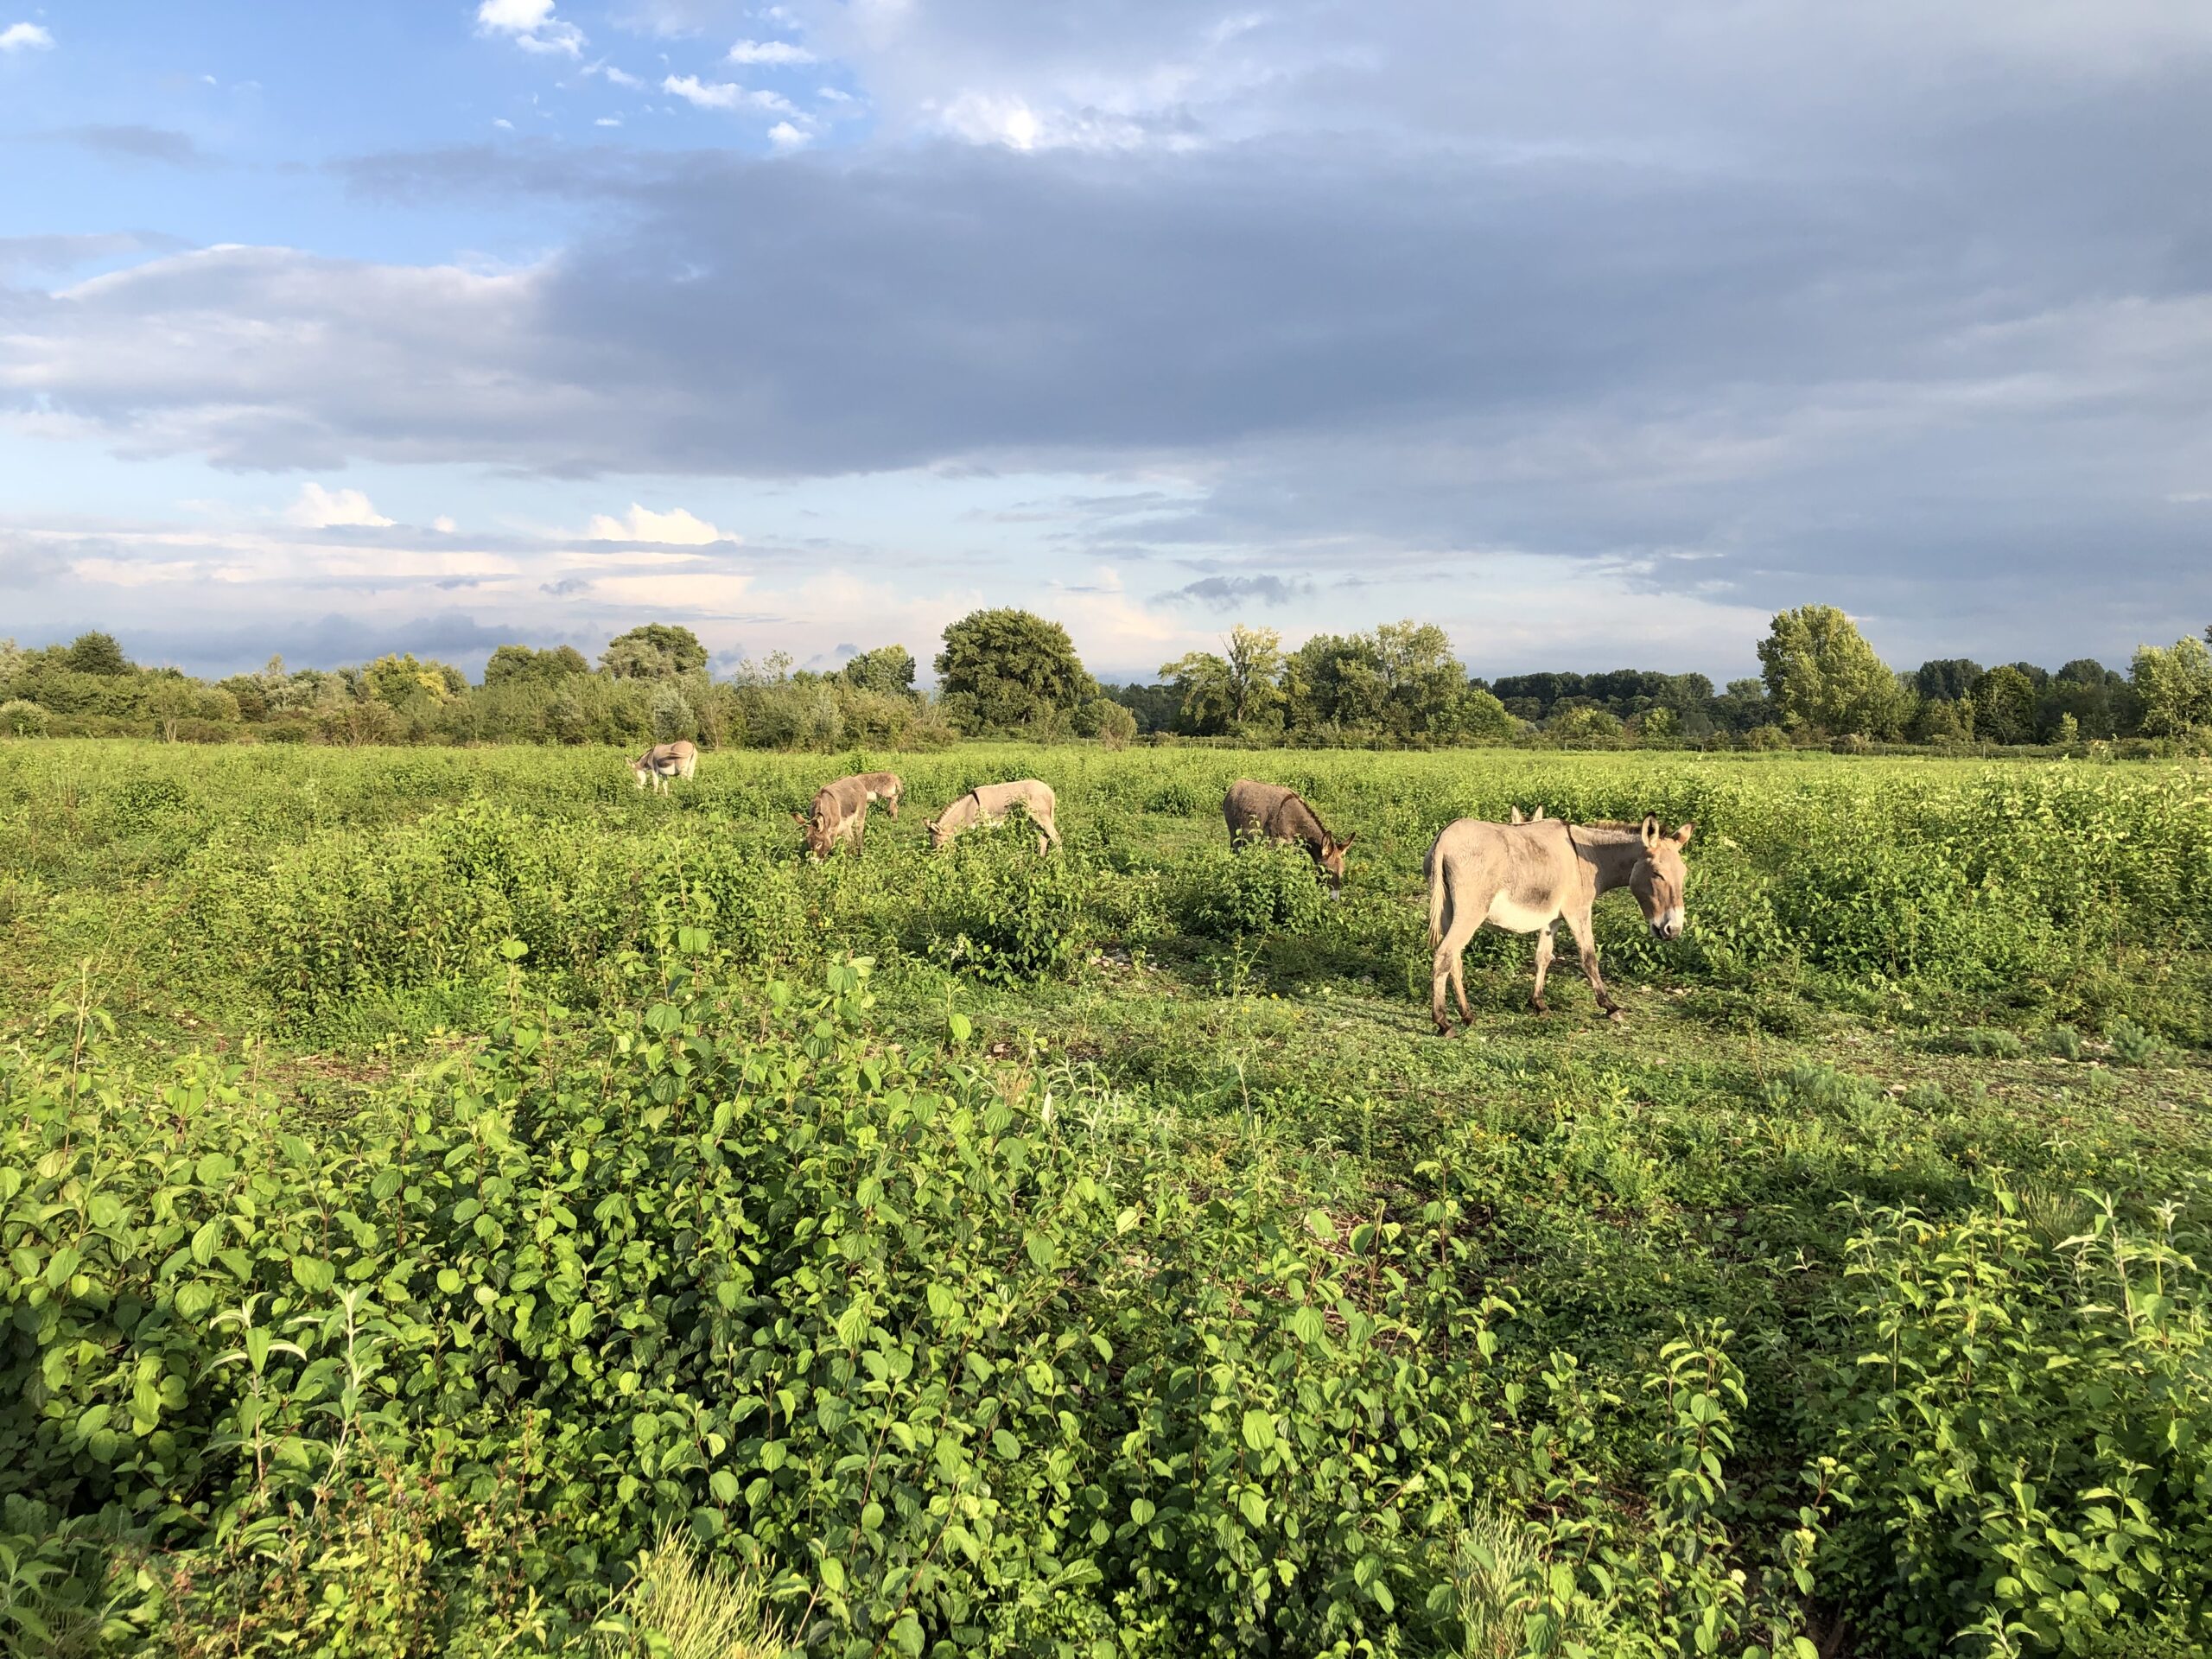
<point x="1433" y="868"/>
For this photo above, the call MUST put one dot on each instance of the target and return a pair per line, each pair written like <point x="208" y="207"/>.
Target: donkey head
<point x="1659" y="876"/>
<point x="940" y="837"/>
<point x="641" y="769"/>
<point x="1329" y="855"/>
<point x="816" y="833"/>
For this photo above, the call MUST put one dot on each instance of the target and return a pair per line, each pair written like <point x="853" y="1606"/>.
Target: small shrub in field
<point x="1183" y="798"/>
<point x="1812" y="1087"/>
<point x="2132" y="1046"/>
<point x="20" y="717"/>
<point x="1003" y="911"/>
<point x="1993" y="1042"/>
<point x="1255" y="888"/>
<point x="2063" y="1042"/>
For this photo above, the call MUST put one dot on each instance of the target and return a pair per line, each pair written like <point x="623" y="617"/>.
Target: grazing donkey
<point x="988" y="803"/>
<point x="882" y="786"/>
<point x="1270" y="811"/>
<point x="664" y="761"/>
<point x="839" y="814"/>
<point x="1527" y="877"/>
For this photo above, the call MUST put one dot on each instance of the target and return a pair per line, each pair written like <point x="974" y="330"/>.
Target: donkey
<point x="988" y="803"/>
<point x="664" y="761"/>
<point x="1268" y="810"/>
<point x="839" y="814"/>
<point x="1526" y="878"/>
<point x="883" y="786"/>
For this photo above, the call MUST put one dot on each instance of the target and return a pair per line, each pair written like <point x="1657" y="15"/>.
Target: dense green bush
<point x="2020" y="1425"/>
<point x="1255" y="888"/>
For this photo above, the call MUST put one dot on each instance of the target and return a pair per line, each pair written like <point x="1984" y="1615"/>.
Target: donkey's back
<point x="1252" y="808"/>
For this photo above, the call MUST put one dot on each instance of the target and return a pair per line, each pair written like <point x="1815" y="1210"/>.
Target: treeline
<point x="1820" y="684"/>
<point x="1008" y="673"/>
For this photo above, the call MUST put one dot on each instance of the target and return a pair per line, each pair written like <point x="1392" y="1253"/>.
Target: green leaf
<point x="1005" y="1445"/>
<point x="1259" y="1430"/>
<point x="1254" y="1506"/>
<point x="723" y="1484"/>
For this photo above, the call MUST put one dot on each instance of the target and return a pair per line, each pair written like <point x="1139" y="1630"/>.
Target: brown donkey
<point x="839" y="814"/>
<point x="1527" y="877"/>
<point x="1255" y="810"/>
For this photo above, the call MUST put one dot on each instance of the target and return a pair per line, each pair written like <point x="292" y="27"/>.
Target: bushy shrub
<point x="22" y="718"/>
<point x="1256" y="888"/>
<point x="1001" y="911"/>
<point x="2019" y="1425"/>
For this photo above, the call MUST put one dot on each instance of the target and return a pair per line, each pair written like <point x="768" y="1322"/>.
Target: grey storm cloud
<point x="1911" y="311"/>
<point x="1234" y="593"/>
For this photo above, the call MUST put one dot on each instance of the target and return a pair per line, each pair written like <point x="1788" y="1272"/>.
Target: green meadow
<point x="453" y="1202"/>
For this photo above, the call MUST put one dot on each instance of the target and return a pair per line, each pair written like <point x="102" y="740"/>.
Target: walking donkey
<point x="1269" y="811"/>
<point x="1528" y="877"/>
<point x="664" y="761"/>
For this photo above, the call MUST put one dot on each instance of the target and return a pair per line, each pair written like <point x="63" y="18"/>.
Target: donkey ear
<point x="1536" y="815"/>
<point x="1683" y="834"/>
<point x="799" y="818"/>
<point x="1651" y="830"/>
<point x="1516" y="817"/>
<point x="1346" y="843"/>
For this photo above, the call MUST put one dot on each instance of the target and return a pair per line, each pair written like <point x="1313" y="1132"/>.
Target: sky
<point x="1594" y="331"/>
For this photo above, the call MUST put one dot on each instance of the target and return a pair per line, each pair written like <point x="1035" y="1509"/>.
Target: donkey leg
<point x="1446" y="965"/>
<point x="1586" y="942"/>
<point x="1544" y="969"/>
<point x="1459" y="979"/>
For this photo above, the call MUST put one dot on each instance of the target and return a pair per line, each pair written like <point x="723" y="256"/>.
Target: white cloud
<point x="502" y="120"/>
<point x="609" y="121"/>
<point x="321" y="509"/>
<point x="723" y="95"/>
<point x="25" y="37"/>
<point x="676" y="527"/>
<point x="621" y="77"/>
<point x="529" y="25"/>
<point x="443" y="524"/>
<point x="785" y="136"/>
<point x="769" y="52"/>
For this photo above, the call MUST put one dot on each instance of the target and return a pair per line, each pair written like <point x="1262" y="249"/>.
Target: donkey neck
<point x="1611" y="850"/>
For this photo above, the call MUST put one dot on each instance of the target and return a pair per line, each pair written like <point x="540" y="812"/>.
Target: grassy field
<point x="432" y="1179"/>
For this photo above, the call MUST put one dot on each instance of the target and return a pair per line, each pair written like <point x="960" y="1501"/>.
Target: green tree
<point x="658" y="650"/>
<point x="95" y="653"/>
<point x="888" y="671"/>
<point x="1820" y="673"/>
<point x="1200" y="680"/>
<point x="399" y="680"/>
<point x="1947" y="678"/>
<point x="520" y="665"/>
<point x="2174" y="687"/>
<point x="2004" y="705"/>
<point x="1008" y="671"/>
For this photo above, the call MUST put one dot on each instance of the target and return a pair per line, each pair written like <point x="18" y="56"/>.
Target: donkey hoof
<point x="1616" y="1013"/>
<point x="1540" y="1008"/>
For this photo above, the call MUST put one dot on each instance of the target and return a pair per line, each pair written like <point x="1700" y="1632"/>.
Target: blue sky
<point x="1595" y="331"/>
